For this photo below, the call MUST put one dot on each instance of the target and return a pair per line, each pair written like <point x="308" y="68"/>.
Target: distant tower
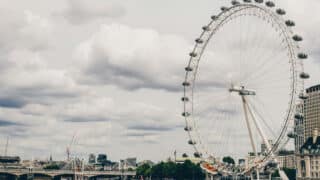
<point x="6" y="147"/>
<point x="311" y="111"/>
<point x="92" y="158"/>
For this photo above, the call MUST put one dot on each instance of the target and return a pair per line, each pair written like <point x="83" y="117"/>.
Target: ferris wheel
<point x="243" y="81"/>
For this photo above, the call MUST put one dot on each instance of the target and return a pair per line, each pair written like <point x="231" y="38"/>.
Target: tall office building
<point x="311" y="110"/>
<point x="307" y="123"/>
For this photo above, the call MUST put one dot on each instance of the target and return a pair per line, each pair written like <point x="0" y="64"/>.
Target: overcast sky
<point x="108" y="72"/>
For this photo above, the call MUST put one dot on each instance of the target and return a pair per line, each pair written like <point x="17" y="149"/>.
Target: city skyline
<point x="83" y="69"/>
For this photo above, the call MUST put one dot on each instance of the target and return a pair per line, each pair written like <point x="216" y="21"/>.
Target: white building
<point x="129" y="163"/>
<point x="308" y="159"/>
<point x="287" y="161"/>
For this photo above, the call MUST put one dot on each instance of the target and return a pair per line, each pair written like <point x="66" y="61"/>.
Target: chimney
<point x="315" y="135"/>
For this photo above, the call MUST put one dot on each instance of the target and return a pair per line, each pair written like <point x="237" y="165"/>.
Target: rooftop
<point x="313" y="88"/>
<point x="311" y="148"/>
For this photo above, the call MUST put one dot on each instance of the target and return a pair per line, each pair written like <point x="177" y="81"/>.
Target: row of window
<point x="314" y="174"/>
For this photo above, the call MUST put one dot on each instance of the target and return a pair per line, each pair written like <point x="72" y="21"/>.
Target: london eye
<point x="243" y="81"/>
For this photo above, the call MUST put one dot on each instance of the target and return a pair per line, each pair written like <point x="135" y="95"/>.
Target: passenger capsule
<point x="223" y="8"/>
<point x="303" y="96"/>
<point x="298" y="116"/>
<point x="199" y="41"/>
<point x="186" y="83"/>
<point x="188" y="68"/>
<point x="270" y="4"/>
<point x="197" y="154"/>
<point x="302" y="56"/>
<point x="193" y="54"/>
<point x="188" y="128"/>
<point x="206" y="28"/>
<point x="259" y="1"/>
<point x="290" y="23"/>
<point x="291" y="135"/>
<point x="191" y="142"/>
<point x="214" y="17"/>
<point x="281" y="11"/>
<point x="297" y="38"/>
<point x="184" y="99"/>
<point x="247" y="1"/>
<point x="304" y="75"/>
<point x="185" y="114"/>
<point x="235" y="2"/>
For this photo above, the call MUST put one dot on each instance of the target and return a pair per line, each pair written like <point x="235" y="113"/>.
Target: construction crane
<point x="6" y="147"/>
<point x="68" y="149"/>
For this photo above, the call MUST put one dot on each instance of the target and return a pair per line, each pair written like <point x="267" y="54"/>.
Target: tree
<point x="171" y="170"/>
<point x="189" y="170"/>
<point x="157" y="171"/>
<point x="144" y="170"/>
<point x="275" y="174"/>
<point x="228" y="159"/>
<point x="291" y="173"/>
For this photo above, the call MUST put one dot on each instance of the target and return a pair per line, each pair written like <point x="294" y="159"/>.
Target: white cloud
<point x="82" y="11"/>
<point x="24" y="30"/>
<point x="117" y="85"/>
<point x="134" y="58"/>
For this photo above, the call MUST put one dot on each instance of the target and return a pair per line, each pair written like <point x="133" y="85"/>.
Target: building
<point x="92" y="159"/>
<point x="308" y="159"/>
<point x="10" y="159"/>
<point x="307" y="142"/>
<point x="251" y="157"/>
<point x="102" y="158"/>
<point x="129" y="163"/>
<point x="242" y="162"/>
<point x="311" y="110"/>
<point x="286" y="159"/>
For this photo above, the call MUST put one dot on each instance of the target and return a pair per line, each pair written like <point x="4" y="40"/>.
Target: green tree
<point x="275" y="174"/>
<point x="228" y="159"/>
<point x="171" y="170"/>
<point x="291" y="173"/>
<point x="157" y="171"/>
<point x="143" y="170"/>
<point x="189" y="170"/>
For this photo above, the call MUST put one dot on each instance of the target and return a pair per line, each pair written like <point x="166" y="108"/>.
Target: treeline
<point x="170" y="170"/>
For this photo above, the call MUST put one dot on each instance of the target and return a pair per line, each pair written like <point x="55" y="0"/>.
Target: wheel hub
<point x="242" y="91"/>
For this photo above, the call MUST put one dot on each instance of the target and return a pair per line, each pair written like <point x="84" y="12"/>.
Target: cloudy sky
<point x="108" y="72"/>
